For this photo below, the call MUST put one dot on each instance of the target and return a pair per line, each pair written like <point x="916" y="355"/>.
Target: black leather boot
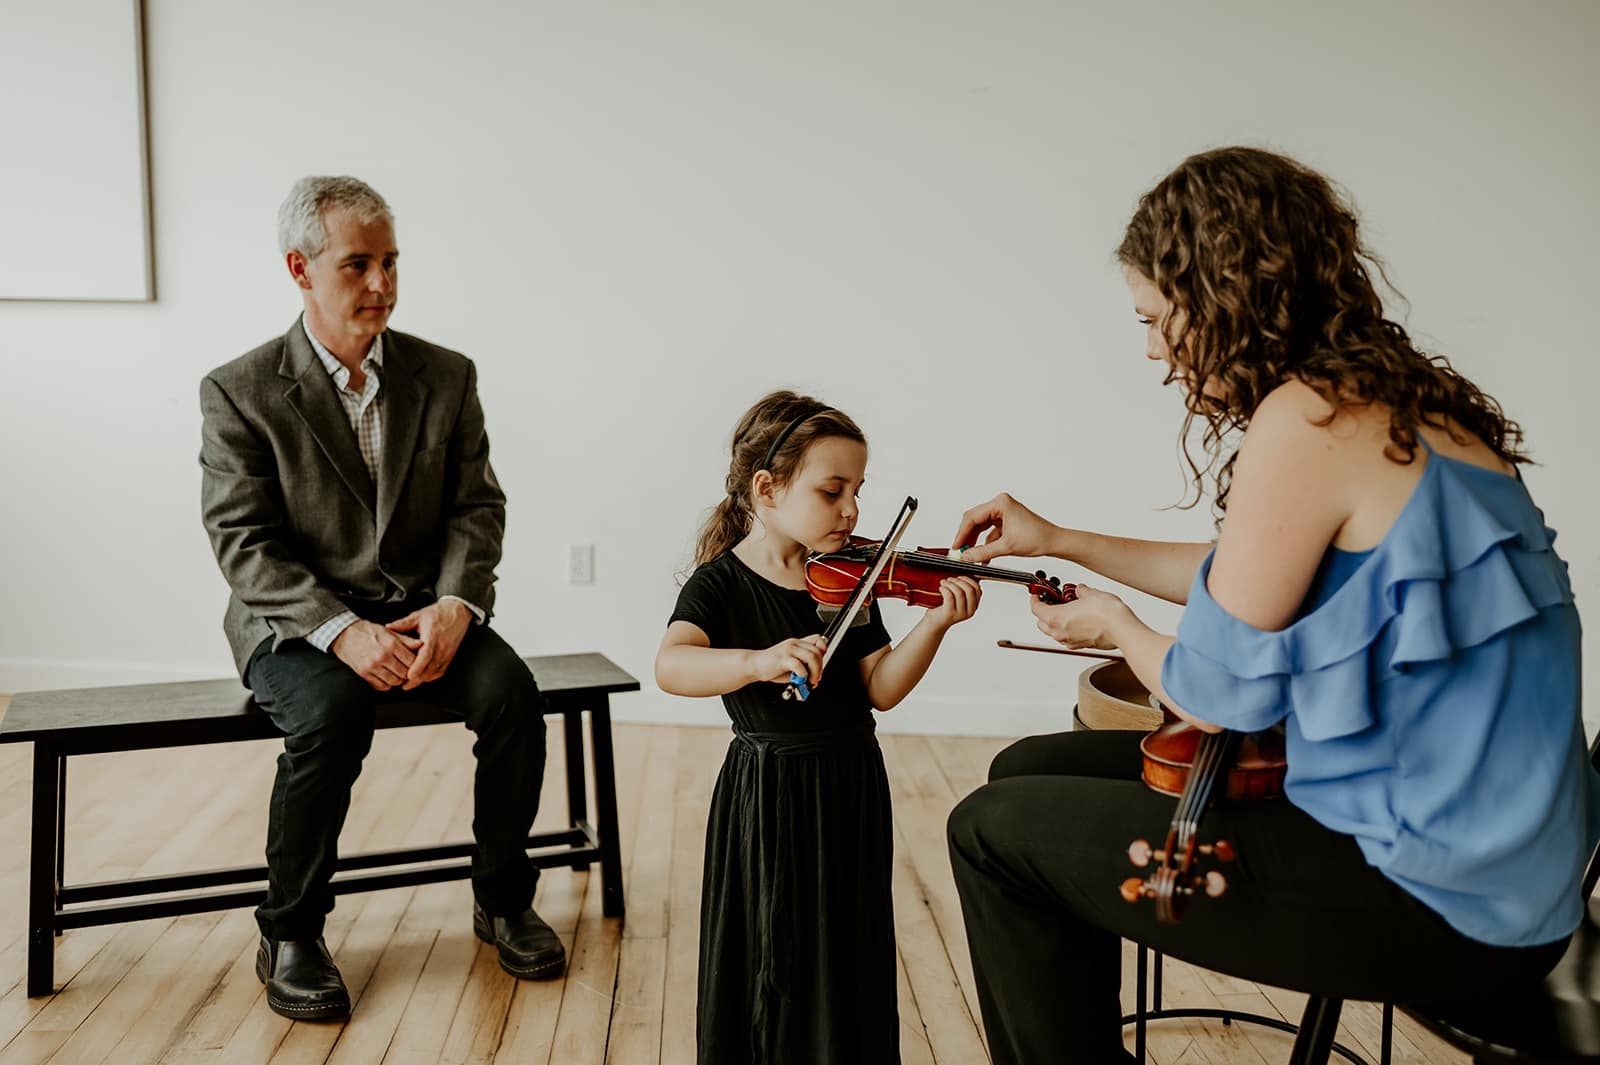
<point x="529" y="949"/>
<point x="302" y="982"/>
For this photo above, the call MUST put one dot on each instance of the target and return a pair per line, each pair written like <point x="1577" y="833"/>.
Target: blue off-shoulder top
<point x="1430" y="690"/>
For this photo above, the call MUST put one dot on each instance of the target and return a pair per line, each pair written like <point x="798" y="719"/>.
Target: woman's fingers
<point x="974" y="521"/>
<point x="992" y="546"/>
<point x="1052" y="618"/>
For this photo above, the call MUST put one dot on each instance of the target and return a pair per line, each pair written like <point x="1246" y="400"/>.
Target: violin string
<point x="1213" y="763"/>
<point x="1202" y="777"/>
<point x="1180" y="817"/>
<point x="1196" y="783"/>
<point x="1191" y="813"/>
<point x="1219" y="748"/>
<point x="974" y="569"/>
<point x="1203" y="767"/>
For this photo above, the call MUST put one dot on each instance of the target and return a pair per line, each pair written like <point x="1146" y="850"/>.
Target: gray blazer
<point x="298" y="527"/>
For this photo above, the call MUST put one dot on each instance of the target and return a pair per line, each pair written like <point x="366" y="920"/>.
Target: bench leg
<point x="44" y="862"/>
<point x="61" y="826"/>
<point x="605" y="799"/>
<point x="577" y="788"/>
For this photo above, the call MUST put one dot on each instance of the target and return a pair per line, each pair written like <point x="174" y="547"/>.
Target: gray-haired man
<point x="347" y="492"/>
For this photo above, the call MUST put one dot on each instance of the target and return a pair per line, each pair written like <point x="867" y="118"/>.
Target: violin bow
<point x="797" y="687"/>
<point x="1011" y="646"/>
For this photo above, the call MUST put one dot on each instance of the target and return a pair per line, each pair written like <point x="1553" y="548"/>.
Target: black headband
<point x="772" y="452"/>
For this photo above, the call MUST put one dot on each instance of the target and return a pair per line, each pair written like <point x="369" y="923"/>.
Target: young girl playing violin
<point x="797" y="956"/>
<point x="1382" y="584"/>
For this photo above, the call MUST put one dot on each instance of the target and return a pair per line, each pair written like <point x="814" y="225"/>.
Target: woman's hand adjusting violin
<point x="1012" y="529"/>
<point x="1093" y="619"/>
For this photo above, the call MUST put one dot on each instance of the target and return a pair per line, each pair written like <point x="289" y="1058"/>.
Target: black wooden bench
<point x="139" y="717"/>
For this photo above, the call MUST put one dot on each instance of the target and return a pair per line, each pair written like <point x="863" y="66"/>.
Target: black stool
<point x="1554" y="1022"/>
<point x="1313" y="1042"/>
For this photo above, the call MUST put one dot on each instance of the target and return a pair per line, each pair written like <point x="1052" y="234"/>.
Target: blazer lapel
<point x="404" y="397"/>
<point x="312" y="398"/>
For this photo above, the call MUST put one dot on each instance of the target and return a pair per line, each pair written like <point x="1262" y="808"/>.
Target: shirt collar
<point x="333" y="365"/>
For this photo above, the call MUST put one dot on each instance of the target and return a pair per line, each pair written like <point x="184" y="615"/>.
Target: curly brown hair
<point x="1262" y="267"/>
<point x="730" y="520"/>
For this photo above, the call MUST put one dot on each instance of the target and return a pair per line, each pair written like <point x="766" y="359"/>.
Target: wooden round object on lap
<point x="1111" y="697"/>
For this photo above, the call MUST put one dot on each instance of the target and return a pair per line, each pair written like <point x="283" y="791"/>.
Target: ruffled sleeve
<point x="1454" y="572"/>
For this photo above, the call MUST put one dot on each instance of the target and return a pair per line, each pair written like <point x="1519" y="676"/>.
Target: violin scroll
<point x="1177" y="876"/>
<point x="1181" y="760"/>
<point x="1213" y="884"/>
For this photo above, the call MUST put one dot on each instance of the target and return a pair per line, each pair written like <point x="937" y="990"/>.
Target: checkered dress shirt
<point x="366" y="419"/>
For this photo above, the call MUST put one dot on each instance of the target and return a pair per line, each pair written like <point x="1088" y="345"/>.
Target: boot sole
<point x="322" y="1011"/>
<point x="548" y="970"/>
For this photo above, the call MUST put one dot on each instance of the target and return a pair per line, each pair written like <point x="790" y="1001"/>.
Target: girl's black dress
<point x="797" y="957"/>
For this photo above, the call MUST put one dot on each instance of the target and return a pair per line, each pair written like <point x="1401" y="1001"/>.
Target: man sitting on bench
<point x="347" y="492"/>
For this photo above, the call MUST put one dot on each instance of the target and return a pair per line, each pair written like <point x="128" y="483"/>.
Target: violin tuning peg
<point x="1039" y="573"/>
<point x="1215" y="884"/>
<point x="1139" y="852"/>
<point x="1224" y="850"/>
<point x="1133" y="889"/>
<point x="1055" y="582"/>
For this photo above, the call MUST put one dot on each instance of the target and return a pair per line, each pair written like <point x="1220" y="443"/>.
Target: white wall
<point x="637" y="221"/>
<point x="60" y="192"/>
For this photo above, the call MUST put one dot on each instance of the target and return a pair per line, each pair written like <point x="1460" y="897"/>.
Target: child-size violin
<point x="844" y="581"/>
<point x="914" y="575"/>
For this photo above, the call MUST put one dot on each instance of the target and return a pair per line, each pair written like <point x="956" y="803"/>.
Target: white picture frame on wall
<point x="74" y="160"/>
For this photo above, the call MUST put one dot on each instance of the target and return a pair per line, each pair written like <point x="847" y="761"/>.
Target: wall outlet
<point x="580" y="564"/>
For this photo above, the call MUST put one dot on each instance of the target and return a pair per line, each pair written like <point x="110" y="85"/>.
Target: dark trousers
<point x="1039" y="853"/>
<point x="326" y="713"/>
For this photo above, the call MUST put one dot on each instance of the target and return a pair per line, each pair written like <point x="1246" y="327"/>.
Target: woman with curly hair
<point x="1381" y="584"/>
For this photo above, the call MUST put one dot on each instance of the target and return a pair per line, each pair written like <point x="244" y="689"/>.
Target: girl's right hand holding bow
<point x="800" y="654"/>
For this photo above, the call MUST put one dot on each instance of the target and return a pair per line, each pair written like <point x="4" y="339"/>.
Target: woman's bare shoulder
<point x="1296" y="418"/>
<point x="1295" y="415"/>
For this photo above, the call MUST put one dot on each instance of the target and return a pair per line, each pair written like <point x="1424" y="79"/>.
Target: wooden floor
<point x="184" y="990"/>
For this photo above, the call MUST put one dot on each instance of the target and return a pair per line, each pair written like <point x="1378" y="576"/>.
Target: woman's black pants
<point x="1040" y="851"/>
